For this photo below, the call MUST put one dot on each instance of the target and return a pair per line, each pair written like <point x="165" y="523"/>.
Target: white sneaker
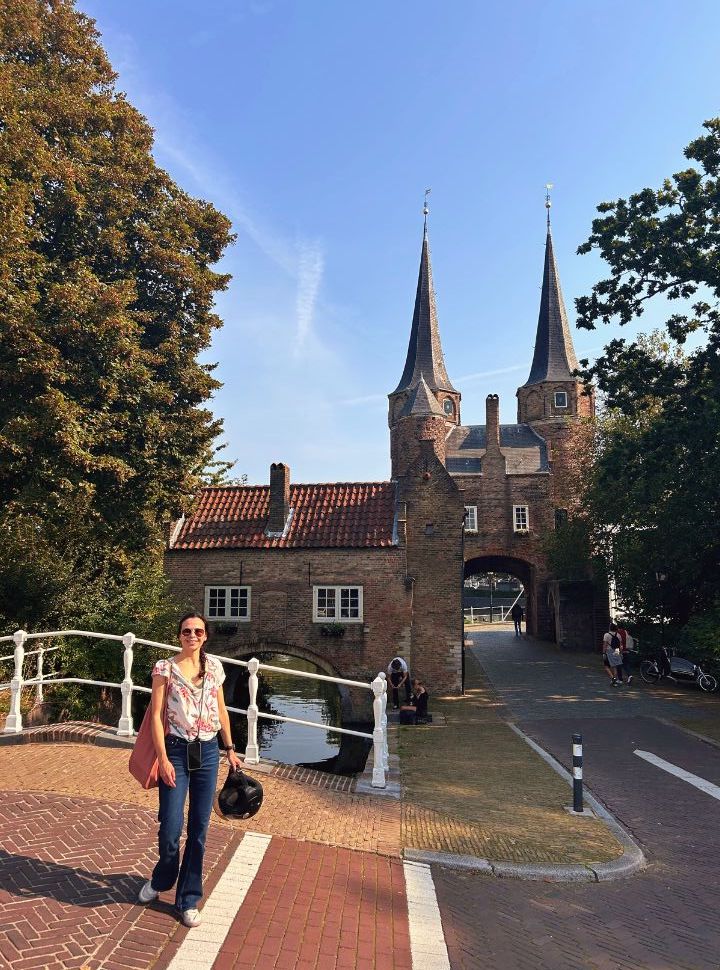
<point x="191" y="917"/>
<point x="147" y="893"/>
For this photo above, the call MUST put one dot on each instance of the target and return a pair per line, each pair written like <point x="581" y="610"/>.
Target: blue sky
<point x="316" y="126"/>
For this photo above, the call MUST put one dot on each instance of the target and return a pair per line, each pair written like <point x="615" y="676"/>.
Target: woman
<point x="188" y="759"/>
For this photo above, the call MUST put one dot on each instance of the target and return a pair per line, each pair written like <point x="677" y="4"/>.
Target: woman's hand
<point x="167" y="772"/>
<point x="233" y="760"/>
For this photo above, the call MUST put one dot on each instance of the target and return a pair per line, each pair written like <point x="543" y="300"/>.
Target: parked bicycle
<point x="666" y="666"/>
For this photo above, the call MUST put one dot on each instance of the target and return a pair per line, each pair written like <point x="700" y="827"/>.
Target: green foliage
<point x="106" y="303"/>
<point x="655" y="495"/>
<point x="701" y="636"/>
<point x="568" y="550"/>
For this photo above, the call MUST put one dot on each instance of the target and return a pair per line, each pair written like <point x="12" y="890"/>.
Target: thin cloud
<point x="491" y="373"/>
<point x="309" y="275"/>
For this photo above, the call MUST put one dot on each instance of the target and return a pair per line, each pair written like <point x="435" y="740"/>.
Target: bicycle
<point x="676" y="669"/>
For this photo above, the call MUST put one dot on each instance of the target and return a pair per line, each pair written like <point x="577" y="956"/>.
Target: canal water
<point x="308" y="700"/>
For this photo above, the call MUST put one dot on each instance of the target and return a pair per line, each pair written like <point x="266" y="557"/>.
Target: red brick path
<point x="315" y="907"/>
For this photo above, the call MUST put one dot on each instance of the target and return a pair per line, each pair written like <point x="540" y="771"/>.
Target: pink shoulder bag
<point x="144" y="765"/>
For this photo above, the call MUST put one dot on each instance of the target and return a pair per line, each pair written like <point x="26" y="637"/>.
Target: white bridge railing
<point x="13" y="723"/>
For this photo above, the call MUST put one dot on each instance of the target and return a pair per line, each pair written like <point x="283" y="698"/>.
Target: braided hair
<point x="193" y="615"/>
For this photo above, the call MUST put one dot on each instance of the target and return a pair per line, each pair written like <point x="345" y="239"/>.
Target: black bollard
<point x="577" y="773"/>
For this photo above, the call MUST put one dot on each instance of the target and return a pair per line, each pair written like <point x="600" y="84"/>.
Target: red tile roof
<point x="340" y="514"/>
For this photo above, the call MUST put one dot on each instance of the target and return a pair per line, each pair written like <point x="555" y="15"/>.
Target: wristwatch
<point x="230" y="747"/>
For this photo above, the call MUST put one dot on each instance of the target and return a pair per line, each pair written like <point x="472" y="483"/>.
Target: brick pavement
<point x="473" y="787"/>
<point x="664" y="918"/>
<point x="291" y="808"/>
<point x="70" y="869"/>
<point x="313" y="907"/>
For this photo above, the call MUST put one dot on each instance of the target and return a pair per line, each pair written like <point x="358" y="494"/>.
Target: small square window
<point x="342" y="604"/>
<point x="227" y="602"/>
<point x="561" y="399"/>
<point x="521" y="519"/>
<point x="471" y="518"/>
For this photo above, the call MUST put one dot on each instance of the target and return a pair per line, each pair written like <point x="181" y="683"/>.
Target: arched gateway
<point x="351" y="574"/>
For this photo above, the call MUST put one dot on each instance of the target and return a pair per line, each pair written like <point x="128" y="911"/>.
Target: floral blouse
<point x="185" y="700"/>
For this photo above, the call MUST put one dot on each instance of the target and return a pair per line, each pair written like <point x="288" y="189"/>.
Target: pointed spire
<point x="554" y="358"/>
<point x="425" y="356"/>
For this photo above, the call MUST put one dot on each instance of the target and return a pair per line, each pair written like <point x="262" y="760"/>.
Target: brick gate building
<point x="351" y="574"/>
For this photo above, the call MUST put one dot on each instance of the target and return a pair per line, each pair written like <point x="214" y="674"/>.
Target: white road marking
<point x="201" y="946"/>
<point x="427" y="940"/>
<point x="696" y="780"/>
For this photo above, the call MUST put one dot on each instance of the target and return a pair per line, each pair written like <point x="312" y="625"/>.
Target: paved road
<point x="662" y="919"/>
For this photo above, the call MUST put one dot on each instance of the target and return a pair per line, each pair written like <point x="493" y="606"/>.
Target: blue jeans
<point x="201" y="785"/>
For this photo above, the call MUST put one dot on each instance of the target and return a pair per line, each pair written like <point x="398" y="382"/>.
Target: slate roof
<point x="421" y="400"/>
<point x="425" y="356"/>
<point x="554" y="358"/>
<point x="335" y="515"/>
<point x="524" y="450"/>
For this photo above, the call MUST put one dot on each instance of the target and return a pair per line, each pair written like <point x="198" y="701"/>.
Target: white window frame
<point x="565" y="395"/>
<point x="471" y="520"/>
<point x="227" y="593"/>
<point x="521" y="518"/>
<point x="335" y="616"/>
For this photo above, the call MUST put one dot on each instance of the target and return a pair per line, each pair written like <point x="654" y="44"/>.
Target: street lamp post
<point x="661" y="578"/>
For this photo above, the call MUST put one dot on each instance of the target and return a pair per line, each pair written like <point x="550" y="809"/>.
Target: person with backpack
<point x="613" y="657"/>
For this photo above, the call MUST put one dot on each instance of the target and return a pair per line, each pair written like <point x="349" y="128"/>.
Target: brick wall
<point x="281" y="584"/>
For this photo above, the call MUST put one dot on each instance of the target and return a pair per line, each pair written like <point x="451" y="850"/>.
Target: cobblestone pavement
<point x="473" y="787"/>
<point x="664" y="918"/>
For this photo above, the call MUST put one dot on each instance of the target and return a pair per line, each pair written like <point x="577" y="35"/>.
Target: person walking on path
<point x="191" y="688"/>
<point x="613" y="658"/>
<point x="517" y="613"/>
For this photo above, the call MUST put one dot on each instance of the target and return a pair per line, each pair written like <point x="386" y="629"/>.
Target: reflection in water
<point x="307" y="700"/>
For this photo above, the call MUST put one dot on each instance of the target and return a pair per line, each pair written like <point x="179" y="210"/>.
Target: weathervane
<point x="548" y="203"/>
<point x="425" y="206"/>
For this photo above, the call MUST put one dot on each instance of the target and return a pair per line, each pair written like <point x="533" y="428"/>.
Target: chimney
<point x="279" y="498"/>
<point x="492" y="423"/>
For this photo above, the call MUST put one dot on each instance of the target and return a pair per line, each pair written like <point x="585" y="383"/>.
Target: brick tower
<point x="424" y="405"/>
<point x="552" y="396"/>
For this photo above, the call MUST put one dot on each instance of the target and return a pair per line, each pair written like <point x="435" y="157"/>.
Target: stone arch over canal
<point x="355" y="703"/>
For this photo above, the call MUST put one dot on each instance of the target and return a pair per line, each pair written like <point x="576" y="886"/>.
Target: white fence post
<point x="125" y="726"/>
<point x="378" y="775"/>
<point x="252" y="752"/>
<point x="386" y="753"/>
<point x="13" y="722"/>
<point x="39" y="688"/>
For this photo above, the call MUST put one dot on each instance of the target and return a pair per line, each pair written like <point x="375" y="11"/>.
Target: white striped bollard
<point x="577" y="773"/>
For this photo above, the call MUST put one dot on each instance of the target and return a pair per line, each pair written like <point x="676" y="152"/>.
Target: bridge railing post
<point x="386" y="753"/>
<point x="13" y="722"/>
<point x="378" y="775"/>
<point x="252" y="751"/>
<point x="39" y="696"/>
<point x="125" y="725"/>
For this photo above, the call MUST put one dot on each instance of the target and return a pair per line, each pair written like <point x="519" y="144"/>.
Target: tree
<point x="106" y="302"/>
<point x="656" y="486"/>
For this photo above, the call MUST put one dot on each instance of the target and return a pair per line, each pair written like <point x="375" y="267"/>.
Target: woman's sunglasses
<point x="198" y="631"/>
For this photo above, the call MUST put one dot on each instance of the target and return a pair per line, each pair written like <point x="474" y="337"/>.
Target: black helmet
<point x="240" y="796"/>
